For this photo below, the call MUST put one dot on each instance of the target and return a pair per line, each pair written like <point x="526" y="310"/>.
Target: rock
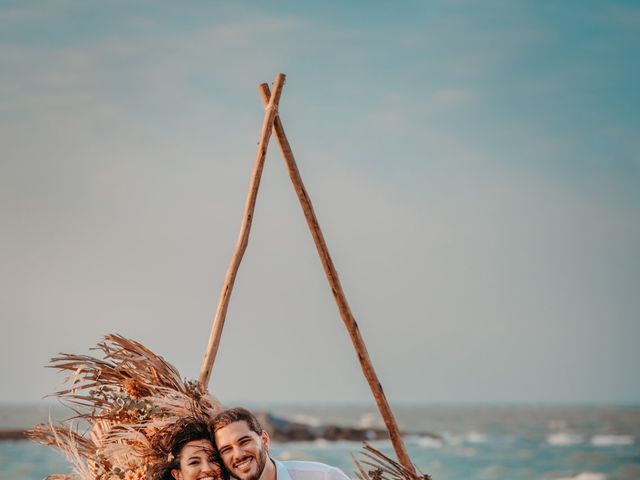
<point x="282" y="430"/>
<point x="12" y="435"/>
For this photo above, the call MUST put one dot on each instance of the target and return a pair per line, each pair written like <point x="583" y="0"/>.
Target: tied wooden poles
<point x="271" y="112"/>
<point x="338" y="293"/>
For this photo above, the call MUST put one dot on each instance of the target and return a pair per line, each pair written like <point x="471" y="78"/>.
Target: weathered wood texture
<point x="338" y="293"/>
<point x="243" y="237"/>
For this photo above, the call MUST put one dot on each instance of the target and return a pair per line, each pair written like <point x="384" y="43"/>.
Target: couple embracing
<point x="234" y="445"/>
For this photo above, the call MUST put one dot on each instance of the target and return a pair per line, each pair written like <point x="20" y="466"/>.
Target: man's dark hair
<point x="236" y="414"/>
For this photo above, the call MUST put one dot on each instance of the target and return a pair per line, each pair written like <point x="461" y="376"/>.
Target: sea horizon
<point x="450" y="442"/>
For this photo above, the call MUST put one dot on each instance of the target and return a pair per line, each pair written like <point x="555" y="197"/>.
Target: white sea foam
<point x="429" y="442"/>
<point x="586" y="476"/>
<point x="563" y="439"/>
<point x="611" y="440"/>
<point x="451" y="439"/>
<point x="368" y="420"/>
<point x="475" y="437"/>
<point x="306" y="419"/>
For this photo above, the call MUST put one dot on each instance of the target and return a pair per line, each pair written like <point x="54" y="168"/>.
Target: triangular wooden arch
<point x="270" y="123"/>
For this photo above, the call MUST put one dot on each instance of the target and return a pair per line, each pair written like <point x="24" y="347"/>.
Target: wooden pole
<point x="271" y="112"/>
<point x="338" y="293"/>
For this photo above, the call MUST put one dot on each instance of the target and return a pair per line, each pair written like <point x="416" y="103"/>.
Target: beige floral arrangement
<point x="122" y="403"/>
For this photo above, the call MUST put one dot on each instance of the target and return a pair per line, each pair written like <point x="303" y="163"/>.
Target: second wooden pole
<point x="338" y="293"/>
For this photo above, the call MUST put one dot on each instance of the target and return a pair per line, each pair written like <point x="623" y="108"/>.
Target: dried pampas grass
<point x="121" y="401"/>
<point x="375" y="465"/>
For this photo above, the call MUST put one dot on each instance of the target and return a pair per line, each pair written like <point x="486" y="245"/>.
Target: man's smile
<point x="243" y="464"/>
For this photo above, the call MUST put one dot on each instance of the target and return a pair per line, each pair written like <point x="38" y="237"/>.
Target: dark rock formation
<point x="12" y="435"/>
<point x="282" y="430"/>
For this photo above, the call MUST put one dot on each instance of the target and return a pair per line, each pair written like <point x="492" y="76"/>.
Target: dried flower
<point x="125" y="398"/>
<point x="135" y="389"/>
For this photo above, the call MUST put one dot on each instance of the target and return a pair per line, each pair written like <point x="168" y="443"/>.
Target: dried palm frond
<point x="375" y="465"/>
<point x="126" y="398"/>
<point x="128" y="368"/>
<point x="75" y="448"/>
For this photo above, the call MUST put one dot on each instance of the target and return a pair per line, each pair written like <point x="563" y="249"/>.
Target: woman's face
<point x="196" y="462"/>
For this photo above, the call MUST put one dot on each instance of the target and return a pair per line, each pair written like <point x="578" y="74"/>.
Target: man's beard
<point x="261" y="462"/>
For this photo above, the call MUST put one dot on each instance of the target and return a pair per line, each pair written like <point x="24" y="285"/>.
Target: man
<point x="244" y="449"/>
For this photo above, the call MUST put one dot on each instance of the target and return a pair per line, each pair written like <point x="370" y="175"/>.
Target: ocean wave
<point x="429" y="442"/>
<point x="563" y="439"/>
<point x="306" y="419"/>
<point x="586" y="476"/>
<point x="611" y="440"/>
<point x="368" y="420"/>
<point x="451" y="439"/>
<point x="475" y="437"/>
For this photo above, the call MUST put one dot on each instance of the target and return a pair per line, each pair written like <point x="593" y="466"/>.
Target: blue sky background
<point x="474" y="165"/>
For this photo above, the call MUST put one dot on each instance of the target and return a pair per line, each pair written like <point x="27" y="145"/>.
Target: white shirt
<point x="296" y="470"/>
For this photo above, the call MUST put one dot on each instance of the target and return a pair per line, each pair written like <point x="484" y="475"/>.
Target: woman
<point x="187" y="452"/>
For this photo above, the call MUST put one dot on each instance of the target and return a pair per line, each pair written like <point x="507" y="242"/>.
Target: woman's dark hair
<point x="169" y="442"/>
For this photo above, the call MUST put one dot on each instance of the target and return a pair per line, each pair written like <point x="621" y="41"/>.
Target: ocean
<point x="448" y="442"/>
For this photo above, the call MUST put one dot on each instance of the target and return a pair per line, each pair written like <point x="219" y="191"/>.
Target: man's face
<point x="243" y="451"/>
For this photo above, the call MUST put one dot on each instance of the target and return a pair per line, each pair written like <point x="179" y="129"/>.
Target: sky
<point x="475" y="168"/>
